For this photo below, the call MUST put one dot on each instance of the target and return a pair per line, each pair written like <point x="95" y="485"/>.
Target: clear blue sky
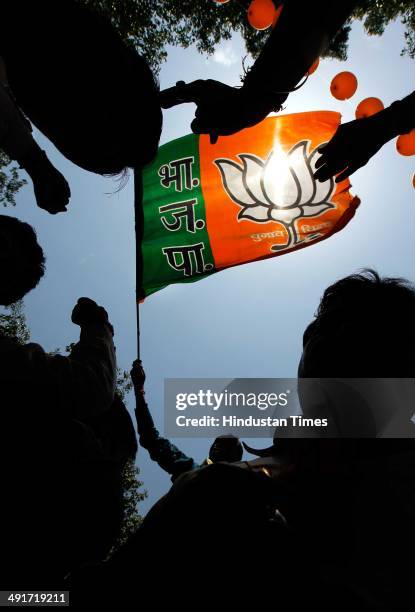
<point x="243" y="322"/>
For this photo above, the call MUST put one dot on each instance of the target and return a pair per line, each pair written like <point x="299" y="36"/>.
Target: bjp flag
<point x="248" y="197"/>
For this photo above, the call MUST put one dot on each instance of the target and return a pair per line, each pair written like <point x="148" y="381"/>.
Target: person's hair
<point x="231" y="448"/>
<point x="364" y="327"/>
<point x="22" y="263"/>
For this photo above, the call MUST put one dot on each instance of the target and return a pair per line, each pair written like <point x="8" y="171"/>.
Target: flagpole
<point x="139" y="219"/>
<point x="137" y="306"/>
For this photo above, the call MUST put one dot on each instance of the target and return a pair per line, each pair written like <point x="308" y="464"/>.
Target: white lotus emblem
<point x="281" y="188"/>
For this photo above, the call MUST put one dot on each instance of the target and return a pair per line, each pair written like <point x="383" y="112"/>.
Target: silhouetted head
<point x="226" y="448"/>
<point x="364" y="328"/>
<point x="132" y="139"/>
<point x="148" y="129"/>
<point x="22" y="263"/>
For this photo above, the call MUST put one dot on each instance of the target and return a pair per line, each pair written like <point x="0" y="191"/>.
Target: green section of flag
<point x="175" y="244"/>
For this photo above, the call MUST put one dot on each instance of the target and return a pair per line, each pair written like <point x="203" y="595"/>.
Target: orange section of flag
<point x="260" y="196"/>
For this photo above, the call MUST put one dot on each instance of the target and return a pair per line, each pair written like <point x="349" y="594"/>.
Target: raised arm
<point x="357" y="141"/>
<point x="162" y="451"/>
<point x="51" y="189"/>
<point x="86" y="378"/>
<point x="302" y="32"/>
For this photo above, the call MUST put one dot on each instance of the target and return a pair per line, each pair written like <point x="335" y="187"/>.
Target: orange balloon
<point x="405" y="144"/>
<point x="413" y="181"/>
<point x="368" y="107"/>
<point x="261" y="14"/>
<point x="313" y="67"/>
<point x="343" y="86"/>
<point x="277" y="15"/>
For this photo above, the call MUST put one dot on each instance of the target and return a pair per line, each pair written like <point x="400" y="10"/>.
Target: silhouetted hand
<point x="52" y="192"/>
<point x="351" y="147"/>
<point x="87" y="312"/>
<point x="138" y="375"/>
<point x="221" y="110"/>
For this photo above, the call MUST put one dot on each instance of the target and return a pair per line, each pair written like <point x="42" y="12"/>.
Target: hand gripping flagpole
<point x="139" y="223"/>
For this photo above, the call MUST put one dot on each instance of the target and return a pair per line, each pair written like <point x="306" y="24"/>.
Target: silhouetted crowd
<point x="308" y="522"/>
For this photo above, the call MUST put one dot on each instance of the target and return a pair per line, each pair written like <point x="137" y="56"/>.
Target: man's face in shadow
<point x="356" y="406"/>
<point x="225" y="449"/>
